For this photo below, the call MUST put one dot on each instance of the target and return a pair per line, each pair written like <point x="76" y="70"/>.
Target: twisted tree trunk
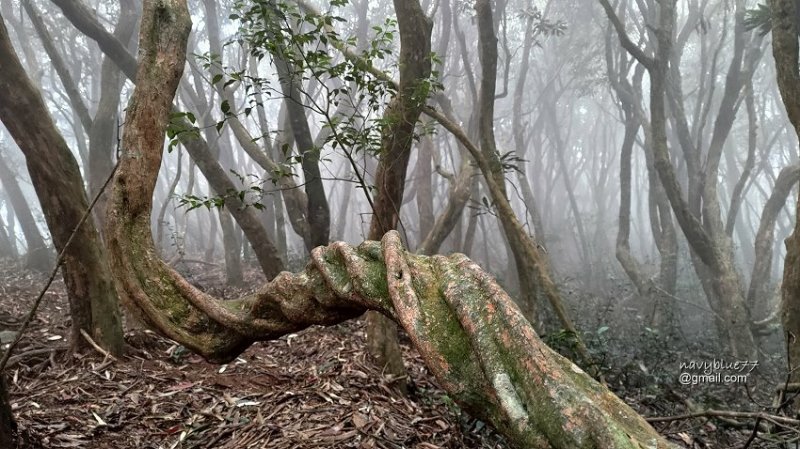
<point x="467" y="329"/>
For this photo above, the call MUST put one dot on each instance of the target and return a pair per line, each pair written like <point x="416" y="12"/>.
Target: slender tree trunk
<point x="105" y="126"/>
<point x="39" y="256"/>
<point x="318" y="210"/>
<point x="341" y="220"/>
<point x="162" y="212"/>
<point x="12" y="228"/>
<point x="233" y="258"/>
<point x="7" y="249"/>
<point x="528" y="288"/>
<point x="626" y="259"/>
<point x="423" y="172"/>
<point x="486" y="98"/>
<point x="57" y="180"/>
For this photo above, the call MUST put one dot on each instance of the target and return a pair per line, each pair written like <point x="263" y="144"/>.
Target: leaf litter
<point x="313" y="389"/>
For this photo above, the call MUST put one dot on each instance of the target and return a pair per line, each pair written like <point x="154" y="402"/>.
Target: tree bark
<point x="402" y="115"/>
<point x="785" y="52"/>
<point x="8" y="426"/>
<point x="105" y="125"/>
<point x="57" y="180"/>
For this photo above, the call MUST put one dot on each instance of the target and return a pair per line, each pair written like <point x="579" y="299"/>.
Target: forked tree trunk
<point x="57" y="180"/>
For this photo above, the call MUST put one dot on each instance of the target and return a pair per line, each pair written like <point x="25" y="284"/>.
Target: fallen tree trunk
<point x="467" y="329"/>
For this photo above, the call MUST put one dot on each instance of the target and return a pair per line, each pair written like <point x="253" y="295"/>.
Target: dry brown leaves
<point x="315" y="389"/>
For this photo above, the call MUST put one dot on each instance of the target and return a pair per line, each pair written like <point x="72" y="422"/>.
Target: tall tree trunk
<point x="57" y="180"/>
<point x="785" y="51"/>
<point x="105" y="126"/>
<point x="7" y="249"/>
<point x="486" y="96"/>
<point x="402" y="115"/>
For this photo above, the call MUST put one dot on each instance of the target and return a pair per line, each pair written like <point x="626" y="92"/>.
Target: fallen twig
<point x="783" y="420"/>
<point x="96" y="346"/>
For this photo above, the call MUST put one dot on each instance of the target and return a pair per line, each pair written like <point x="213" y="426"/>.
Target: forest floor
<point x="313" y="389"/>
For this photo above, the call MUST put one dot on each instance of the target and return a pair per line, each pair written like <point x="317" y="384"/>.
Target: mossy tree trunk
<point x="467" y="329"/>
